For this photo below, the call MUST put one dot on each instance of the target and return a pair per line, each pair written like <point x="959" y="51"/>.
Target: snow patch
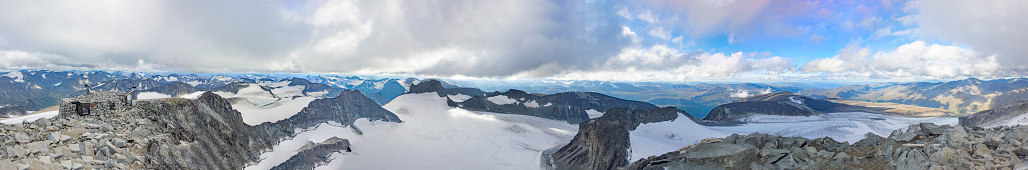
<point x="282" y="109"/>
<point x="662" y="137"/>
<point x="151" y="95"/>
<point x="16" y="75"/>
<point x="501" y="100"/>
<point x="548" y="104"/>
<point x="1019" y="120"/>
<point x="31" y="117"/>
<point x="532" y="104"/>
<point x="194" y="83"/>
<point x="459" y="97"/>
<point x="593" y="113"/>
<point x="794" y="100"/>
<point x="193" y="95"/>
<point x="289" y="91"/>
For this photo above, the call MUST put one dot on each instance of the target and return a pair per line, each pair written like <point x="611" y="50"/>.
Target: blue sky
<point x="646" y="40"/>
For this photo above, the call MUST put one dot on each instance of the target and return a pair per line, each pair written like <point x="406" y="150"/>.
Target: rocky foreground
<point x="174" y="133"/>
<point x="921" y="146"/>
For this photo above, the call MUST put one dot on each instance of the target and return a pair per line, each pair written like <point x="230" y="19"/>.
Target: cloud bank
<point x="600" y="40"/>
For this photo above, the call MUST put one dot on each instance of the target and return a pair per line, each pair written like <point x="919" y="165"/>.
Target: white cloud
<point x="914" y="60"/>
<point x="990" y="27"/>
<point x="623" y="12"/>
<point x="661" y="33"/>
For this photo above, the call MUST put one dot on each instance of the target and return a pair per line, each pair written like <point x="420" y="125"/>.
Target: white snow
<point x="379" y="85"/>
<point x="288" y="91"/>
<point x="548" y="104"/>
<point x="501" y="100"/>
<point x="275" y="84"/>
<point x="532" y="104"/>
<point x="322" y="93"/>
<point x="848" y="126"/>
<point x="794" y="100"/>
<point x="435" y="136"/>
<point x="271" y="112"/>
<point x="254" y="94"/>
<point x="171" y="78"/>
<point x="662" y="137"/>
<point x="193" y="95"/>
<point x="151" y="95"/>
<point x="16" y="75"/>
<point x="593" y="113"/>
<point x="31" y="117"/>
<point x="459" y="97"/>
<point x="1019" y="120"/>
<point x="194" y="83"/>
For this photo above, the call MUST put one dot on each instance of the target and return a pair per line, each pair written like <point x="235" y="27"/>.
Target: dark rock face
<point x="603" y="143"/>
<point x="734" y="111"/>
<point x="569" y="106"/>
<point x="812" y="103"/>
<point x="314" y="87"/>
<point x="314" y="154"/>
<point x="344" y="109"/>
<point x="202" y="133"/>
<point x="932" y="147"/>
<point x="781" y="103"/>
<point x="995" y="116"/>
<point x="433" y="85"/>
<point x="428" y="86"/>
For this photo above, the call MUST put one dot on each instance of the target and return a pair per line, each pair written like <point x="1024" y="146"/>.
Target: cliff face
<point x="344" y="109"/>
<point x="1006" y="115"/>
<point x="171" y="133"/>
<point x="603" y="143"/>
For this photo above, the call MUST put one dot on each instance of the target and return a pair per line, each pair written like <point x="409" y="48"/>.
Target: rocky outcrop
<point x="569" y="106"/>
<point x="310" y="87"/>
<point x="344" y="109"/>
<point x="921" y="146"/>
<point x="997" y="117"/>
<point x="737" y="110"/>
<point x="781" y="103"/>
<point x="603" y="143"/>
<point x="788" y="104"/>
<point x="433" y="85"/>
<point x="172" y="133"/>
<point x="314" y="154"/>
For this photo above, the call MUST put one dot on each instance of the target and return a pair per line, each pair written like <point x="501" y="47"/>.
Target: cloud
<point x="990" y="27"/>
<point x="466" y="37"/>
<point x="188" y="35"/>
<point x="914" y="60"/>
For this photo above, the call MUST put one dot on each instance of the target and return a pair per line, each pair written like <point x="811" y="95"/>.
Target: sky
<point x="643" y="40"/>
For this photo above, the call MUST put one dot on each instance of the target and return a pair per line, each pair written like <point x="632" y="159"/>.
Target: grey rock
<point x="23" y="138"/>
<point x="907" y="137"/>
<point x="603" y="143"/>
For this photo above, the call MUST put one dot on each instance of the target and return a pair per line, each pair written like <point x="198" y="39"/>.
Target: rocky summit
<point x="603" y="143"/>
<point x="921" y="146"/>
<point x="104" y="130"/>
